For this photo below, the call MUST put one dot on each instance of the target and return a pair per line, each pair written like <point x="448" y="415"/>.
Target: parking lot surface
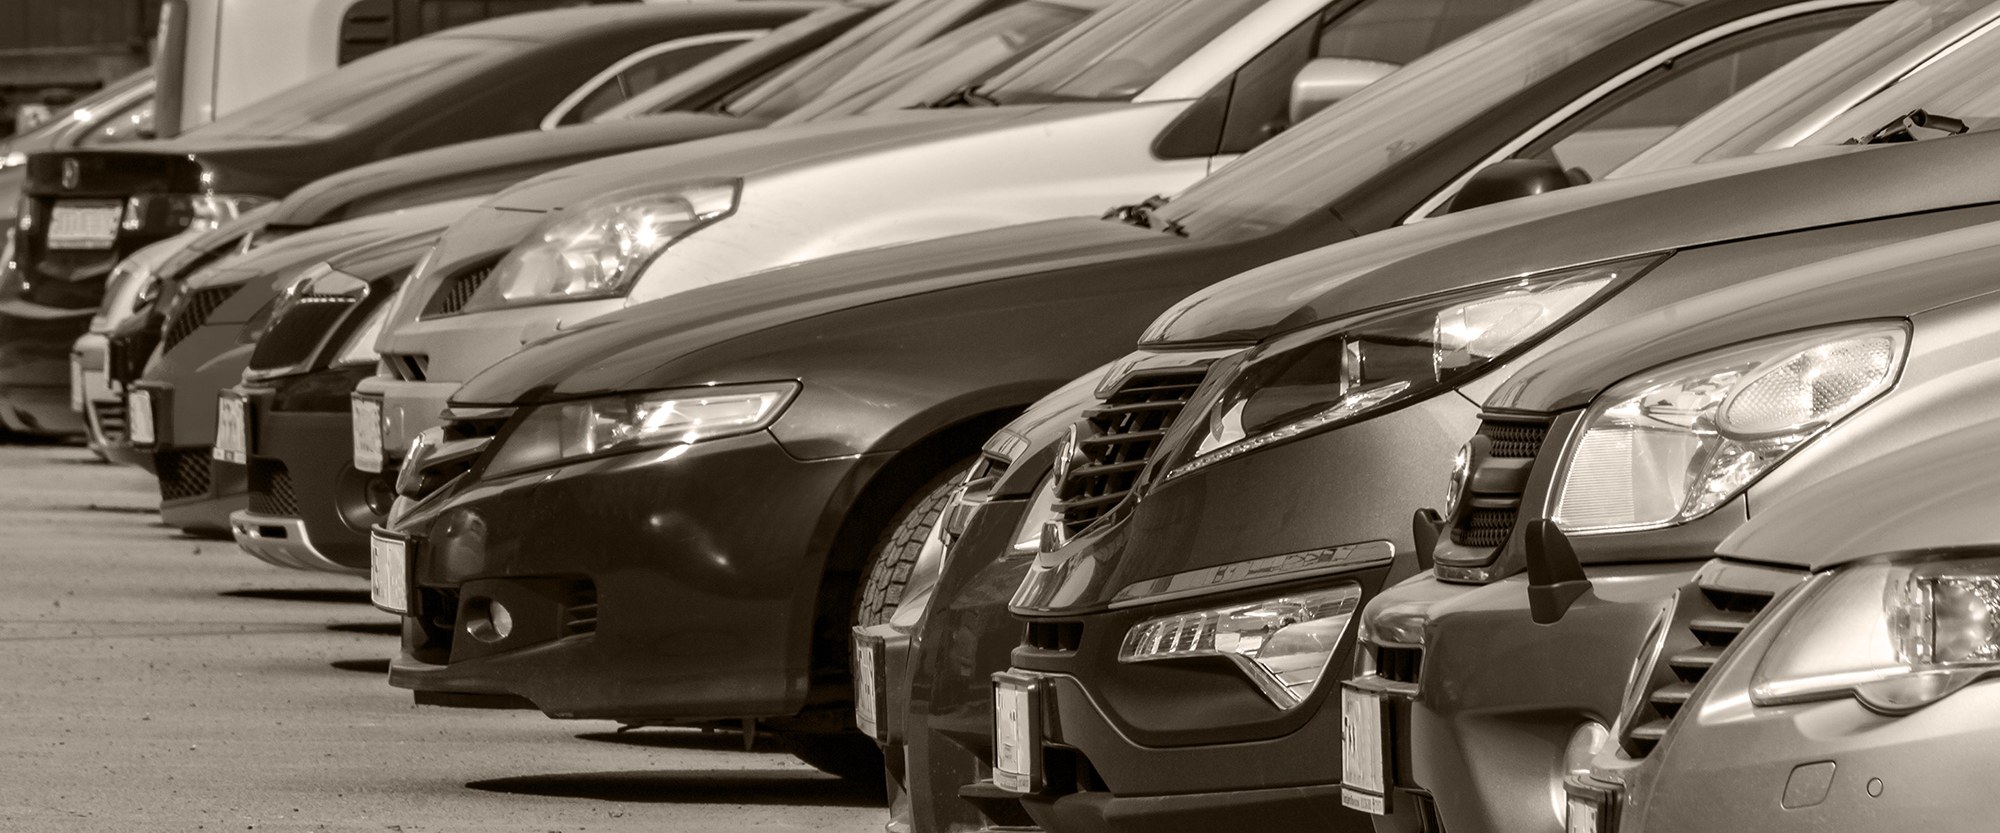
<point x="156" y="682"/>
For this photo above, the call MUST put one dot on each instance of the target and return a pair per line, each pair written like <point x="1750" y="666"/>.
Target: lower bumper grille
<point x="184" y="474"/>
<point x="580" y="609"/>
<point x="111" y="421"/>
<point x="271" y="490"/>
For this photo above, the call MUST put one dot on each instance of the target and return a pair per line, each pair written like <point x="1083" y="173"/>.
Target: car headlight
<point x="568" y="431"/>
<point x="1341" y="371"/>
<point x="597" y="250"/>
<point x="1674" y="443"/>
<point x="13" y="159"/>
<point x="1283" y="644"/>
<point x="1899" y="634"/>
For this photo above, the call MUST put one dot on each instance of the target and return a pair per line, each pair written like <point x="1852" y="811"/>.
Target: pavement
<point x="152" y="682"/>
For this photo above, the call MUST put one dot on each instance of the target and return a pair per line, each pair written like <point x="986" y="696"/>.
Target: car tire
<point x="896" y="553"/>
<point x="849" y="756"/>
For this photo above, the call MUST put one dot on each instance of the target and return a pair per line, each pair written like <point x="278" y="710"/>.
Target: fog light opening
<point x="488" y="621"/>
<point x="380" y="494"/>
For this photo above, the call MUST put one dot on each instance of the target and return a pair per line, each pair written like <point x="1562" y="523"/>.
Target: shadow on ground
<point x="684" y="739"/>
<point x="754" y="787"/>
<point x="365" y="666"/>
<point x="356" y="597"/>
<point x="368" y="628"/>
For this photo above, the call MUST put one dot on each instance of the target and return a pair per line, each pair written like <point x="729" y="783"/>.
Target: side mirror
<point x="1512" y="178"/>
<point x="1325" y="81"/>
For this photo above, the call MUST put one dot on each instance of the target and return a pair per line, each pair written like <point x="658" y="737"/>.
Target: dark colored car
<point x="293" y="413"/>
<point x="343" y="536"/>
<point x="1686" y="632"/>
<point x="212" y="326"/>
<point x="855" y="420"/>
<point x="87" y="209"/>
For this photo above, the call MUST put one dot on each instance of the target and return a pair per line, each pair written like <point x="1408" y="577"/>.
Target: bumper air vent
<point x="458" y="290"/>
<point x="579" y="613"/>
<point x="1117" y="439"/>
<point x="296" y="334"/>
<point x="1488" y="517"/>
<point x="1706" y="618"/>
<point x="1399" y="664"/>
<point x="271" y="492"/>
<point x="194" y="312"/>
<point x="111" y="420"/>
<point x="1055" y="636"/>
<point x="184" y="474"/>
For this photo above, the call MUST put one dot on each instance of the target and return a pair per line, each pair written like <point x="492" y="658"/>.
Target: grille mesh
<point x="458" y="291"/>
<point x="271" y="490"/>
<point x="194" y="312"/>
<point x="1116" y="439"/>
<point x="1489" y="518"/>
<point x="299" y="331"/>
<point x="184" y="473"/>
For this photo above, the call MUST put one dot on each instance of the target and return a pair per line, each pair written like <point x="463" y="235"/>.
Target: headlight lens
<point x="566" y="431"/>
<point x="1675" y="443"/>
<point x="1336" y="373"/>
<point x="1283" y="644"/>
<point x="1900" y="633"/>
<point x="595" y="251"/>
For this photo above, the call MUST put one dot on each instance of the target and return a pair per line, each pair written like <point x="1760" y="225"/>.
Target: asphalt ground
<point x="152" y="682"/>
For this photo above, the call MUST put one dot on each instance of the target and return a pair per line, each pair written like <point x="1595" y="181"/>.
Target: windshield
<point x="93" y="107"/>
<point x="671" y="94"/>
<point x="1963" y="84"/>
<point x="1767" y="115"/>
<point x="955" y="61"/>
<point x="1296" y="173"/>
<point x="1119" y="52"/>
<point x="368" y="89"/>
<point x="890" y="33"/>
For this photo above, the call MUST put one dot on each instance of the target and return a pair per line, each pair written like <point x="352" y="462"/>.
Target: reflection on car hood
<point x="488" y="165"/>
<point x="1703" y="204"/>
<point x="264" y="271"/>
<point x="753" y="153"/>
<point x="658" y="344"/>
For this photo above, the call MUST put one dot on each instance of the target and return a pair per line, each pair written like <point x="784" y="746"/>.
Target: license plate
<point x="84" y="225"/>
<point x="368" y="455"/>
<point x="76" y="395"/>
<point x="232" y="430"/>
<point x="139" y="417"/>
<point x="1016" y="734"/>
<point x="1364" y="752"/>
<point x="1588" y="809"/>
<point x="389" y="572"/>
<point x="867" y="689"/>
<point x="1583" y="816"/>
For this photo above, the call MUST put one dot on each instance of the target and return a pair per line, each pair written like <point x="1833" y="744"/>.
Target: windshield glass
<point x="669" y="96"/>
<point x="368" y="89"/>
<point x="1119" y="52"/>
<point x="1296" y="173"/>
<point x="1767" y="115"/>
<point x="1963" y="84"/>
<point x="957" y="60"/>
<point x="889" y="33"/>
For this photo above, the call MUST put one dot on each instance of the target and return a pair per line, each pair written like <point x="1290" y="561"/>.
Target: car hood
<point x="755" y="153"/>
<point x="658" y="344"/>
<point x="487" y="166"/>
<point x="1699" y="205"/>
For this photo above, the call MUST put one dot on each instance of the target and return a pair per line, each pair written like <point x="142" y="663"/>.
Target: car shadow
<point x="365" y="666"/>
<point x="368" y="628"/>
<point x="358" y="597"/>
<point x="751" y="787"/>
<point x="723" y="740"/>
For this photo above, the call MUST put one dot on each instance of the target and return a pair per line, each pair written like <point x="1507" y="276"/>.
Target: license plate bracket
<point x="1365" y="754"/>
<point x="1017" y="733"/>
<point x="232" y="429"/>
<point x="84" y="225"/>
<point x="389" y="571"/>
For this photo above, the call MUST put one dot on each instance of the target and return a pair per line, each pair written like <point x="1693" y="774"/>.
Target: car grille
<point x="1488" y="518"/>
<point x="1706" y="618"/>
<point x="194" y="312"/>
<point x="111" y="420"/>
<point x="184" y="473"/>
<point x="298" y="332"/>
<point x="271" y="491"/>
<point x="1116" y="439"/>
<point x="458" y="291"/>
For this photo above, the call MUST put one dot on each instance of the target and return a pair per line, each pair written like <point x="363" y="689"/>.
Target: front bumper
<point x="197" y="492"/>
<point x="35" y="373"/>
<point x="309" y="507"/>
<point x="657" y="585"/>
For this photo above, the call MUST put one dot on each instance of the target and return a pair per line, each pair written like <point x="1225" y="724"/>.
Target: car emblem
<point x="72" y="174"/>
<point x="1069" y="453"/>
<point x="1461" y="478"/>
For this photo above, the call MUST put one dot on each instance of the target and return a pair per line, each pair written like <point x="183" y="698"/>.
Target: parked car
<point x="1133" y="101"/>
<point x="315" y="534"/>
<point x="121" y="112"/>
<point x="87" y="209"/>
<point x="211" y="327"/>
<point x="1696" y="631"/>
<point x="1282" y="494"/>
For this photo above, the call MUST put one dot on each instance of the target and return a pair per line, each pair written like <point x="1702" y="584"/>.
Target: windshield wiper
<point x="1143" y="214"/>
<point x="966" y="96"/>
<point x="1902" y="129"/>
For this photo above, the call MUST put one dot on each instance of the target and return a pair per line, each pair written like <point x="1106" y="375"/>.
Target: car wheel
<point x="896" y="554"/>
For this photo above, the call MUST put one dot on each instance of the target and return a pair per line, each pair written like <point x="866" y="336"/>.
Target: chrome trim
<point x="1256" y="572"/>
<point x="1122" y="370"/>
<point x="294" y="550"/>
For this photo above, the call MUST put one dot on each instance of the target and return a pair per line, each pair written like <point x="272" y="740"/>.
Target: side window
<point x="1639" y="114"/>
<point x="636" y="75"/>
<point x="1388" y="31"/>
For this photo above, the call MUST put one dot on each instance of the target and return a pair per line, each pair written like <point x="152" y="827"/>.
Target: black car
<point x="862" y="385"/>
<point x="84" y="210"/>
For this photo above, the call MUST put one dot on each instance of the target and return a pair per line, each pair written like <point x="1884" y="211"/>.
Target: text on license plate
<point x="1016" y="736"/>
<point x="389" y="573"/>
<point x="232" y="431"/>
<point x="1364" y="755"/>
<point x="84" y="225"/>
<point x="367" y="434"/>
<point x="866" y="687"/>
